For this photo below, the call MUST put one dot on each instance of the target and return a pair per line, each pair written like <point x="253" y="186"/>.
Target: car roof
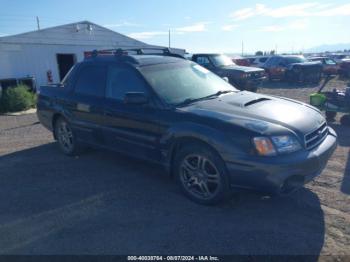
<point x="137" y="60"/>
<point x="286" y="56"/>
<point x="207" y="54"/>
<point x="318" y="57"/>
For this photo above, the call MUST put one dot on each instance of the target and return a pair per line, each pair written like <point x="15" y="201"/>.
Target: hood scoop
<point x="255" y="101"/>
<point x="245" y="99"/>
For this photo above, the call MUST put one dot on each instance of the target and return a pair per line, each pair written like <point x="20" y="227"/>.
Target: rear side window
<point x="271" y="61"/>
<point x="91" y="81"/>
<point x="122" y="80"/>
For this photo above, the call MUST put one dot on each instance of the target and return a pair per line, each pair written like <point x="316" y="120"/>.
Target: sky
<point x="195" y="25"/>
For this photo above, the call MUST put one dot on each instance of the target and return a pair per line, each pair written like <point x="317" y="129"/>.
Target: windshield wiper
<point x="192" y="100"/>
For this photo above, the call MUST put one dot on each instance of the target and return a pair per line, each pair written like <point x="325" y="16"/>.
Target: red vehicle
<point x="292" y="68"/>
<point x="330" y="67"/>
<point x="238" y="60"/>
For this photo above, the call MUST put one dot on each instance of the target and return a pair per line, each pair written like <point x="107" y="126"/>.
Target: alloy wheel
<point x="65" y="136"/>
<point x="199" y="176"/>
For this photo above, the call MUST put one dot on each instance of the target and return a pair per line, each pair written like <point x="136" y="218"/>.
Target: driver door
<point x="130" y="128"/>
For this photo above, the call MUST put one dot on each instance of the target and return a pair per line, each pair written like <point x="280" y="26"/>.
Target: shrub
<point x="17" y="98"/>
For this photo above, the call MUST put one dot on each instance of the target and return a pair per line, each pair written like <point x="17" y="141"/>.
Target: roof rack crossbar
<point x="139" y="51"/>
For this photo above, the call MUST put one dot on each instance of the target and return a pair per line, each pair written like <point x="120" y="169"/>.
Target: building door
<point x="65" y="63"/>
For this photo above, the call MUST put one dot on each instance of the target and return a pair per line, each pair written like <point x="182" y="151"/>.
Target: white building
<point x="48" y="54"/>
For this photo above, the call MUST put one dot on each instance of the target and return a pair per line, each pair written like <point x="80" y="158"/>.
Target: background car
<point x="258" y="61"/>
<point x="242" y="61"/>
<point x="293" y="68"/>
<point x="242" y="77"/>
<point x="330" y="67"/>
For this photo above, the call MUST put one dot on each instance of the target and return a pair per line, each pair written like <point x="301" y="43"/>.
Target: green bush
<point x="16" y="99"/>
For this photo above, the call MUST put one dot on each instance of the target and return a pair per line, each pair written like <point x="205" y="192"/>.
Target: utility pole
<point x="38" y="22"/>
<point x="169" y="39"/>
<point x="242" y="48"/>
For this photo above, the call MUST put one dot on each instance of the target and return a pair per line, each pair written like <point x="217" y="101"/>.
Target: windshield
<point x="296" y="59"/>
<point x="330" y="61"/>
<point x="176" y="83"/>
<point x="221" y="60"/>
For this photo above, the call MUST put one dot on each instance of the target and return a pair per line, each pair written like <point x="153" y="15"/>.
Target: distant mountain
<point x="333" y="47"/>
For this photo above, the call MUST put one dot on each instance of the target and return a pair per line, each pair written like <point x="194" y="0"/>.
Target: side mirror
<point x="135" y="98"/>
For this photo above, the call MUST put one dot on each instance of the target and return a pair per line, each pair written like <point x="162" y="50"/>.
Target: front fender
<point x="218" y="140"/>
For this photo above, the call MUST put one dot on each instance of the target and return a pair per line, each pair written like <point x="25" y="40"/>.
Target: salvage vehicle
<point x="329" y="66"/>
<point x="339" y="58"/>
<point x="344" y="68"/>
<point x="258" y="61"/>
<point x="293" y="68"/>
<point x="208" y="135"/>
<point x="241" y="77"/>
<point x="241" y="61"/>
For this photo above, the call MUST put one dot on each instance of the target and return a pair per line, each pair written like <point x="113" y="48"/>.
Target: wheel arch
<point x="181" y="142"/>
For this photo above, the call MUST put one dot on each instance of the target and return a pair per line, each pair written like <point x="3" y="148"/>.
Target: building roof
<point x="79" y="33"/>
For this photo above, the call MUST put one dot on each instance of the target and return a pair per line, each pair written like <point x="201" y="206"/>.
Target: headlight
<point x="281" y="144"/>
<point x="264" y="146"/>
<point x="286" y="144"/>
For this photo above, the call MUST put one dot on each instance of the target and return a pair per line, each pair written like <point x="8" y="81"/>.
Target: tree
<point x="259" y="53"/>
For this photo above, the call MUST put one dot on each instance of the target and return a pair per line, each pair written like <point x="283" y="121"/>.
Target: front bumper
<point x="250" y="84"/>
<point x="284" y="173"/>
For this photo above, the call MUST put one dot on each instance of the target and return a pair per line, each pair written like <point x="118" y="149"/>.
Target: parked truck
<point x="241" y="77"/>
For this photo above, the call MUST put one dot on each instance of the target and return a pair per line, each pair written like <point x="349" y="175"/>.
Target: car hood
<point x="244" y="69"/>
<point x="260" y="113"/>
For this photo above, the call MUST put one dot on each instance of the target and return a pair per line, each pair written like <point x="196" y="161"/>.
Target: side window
<point x="279" y="62"/>
<point x="122" y="80"/>
<point x="91" y="81"/>
<point x="329" y="61"/>
<point x="271" y="61"/>
<point x="203" y="60"/>
<point x="263" y="60"/>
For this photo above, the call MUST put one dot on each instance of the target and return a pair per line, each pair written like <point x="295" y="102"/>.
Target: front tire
<point x="65" y="137"/>
<point x="201" y="174"/>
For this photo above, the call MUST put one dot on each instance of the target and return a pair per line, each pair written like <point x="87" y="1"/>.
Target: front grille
<point x="255" y="75"/>
<point x="316" y="137"/>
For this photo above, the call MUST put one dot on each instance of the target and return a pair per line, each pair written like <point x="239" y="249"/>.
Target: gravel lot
<point x="103" y="203"/>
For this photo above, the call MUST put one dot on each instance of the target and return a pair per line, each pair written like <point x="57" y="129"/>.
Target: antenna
<point x="38" y="22"/>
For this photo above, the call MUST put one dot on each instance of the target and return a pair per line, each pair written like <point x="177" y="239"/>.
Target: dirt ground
<point x="333" y="186"/>
<point x="102" y="203"/>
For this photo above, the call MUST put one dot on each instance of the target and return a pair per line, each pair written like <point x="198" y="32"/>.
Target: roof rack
<point x="120" y="52"/>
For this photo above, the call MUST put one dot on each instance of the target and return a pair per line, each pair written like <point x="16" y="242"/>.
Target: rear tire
<point x="330" y="115"/>
<point x="201" y="174"/>
<point x="65" y="136"/>
<point x="345" y="120"/>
